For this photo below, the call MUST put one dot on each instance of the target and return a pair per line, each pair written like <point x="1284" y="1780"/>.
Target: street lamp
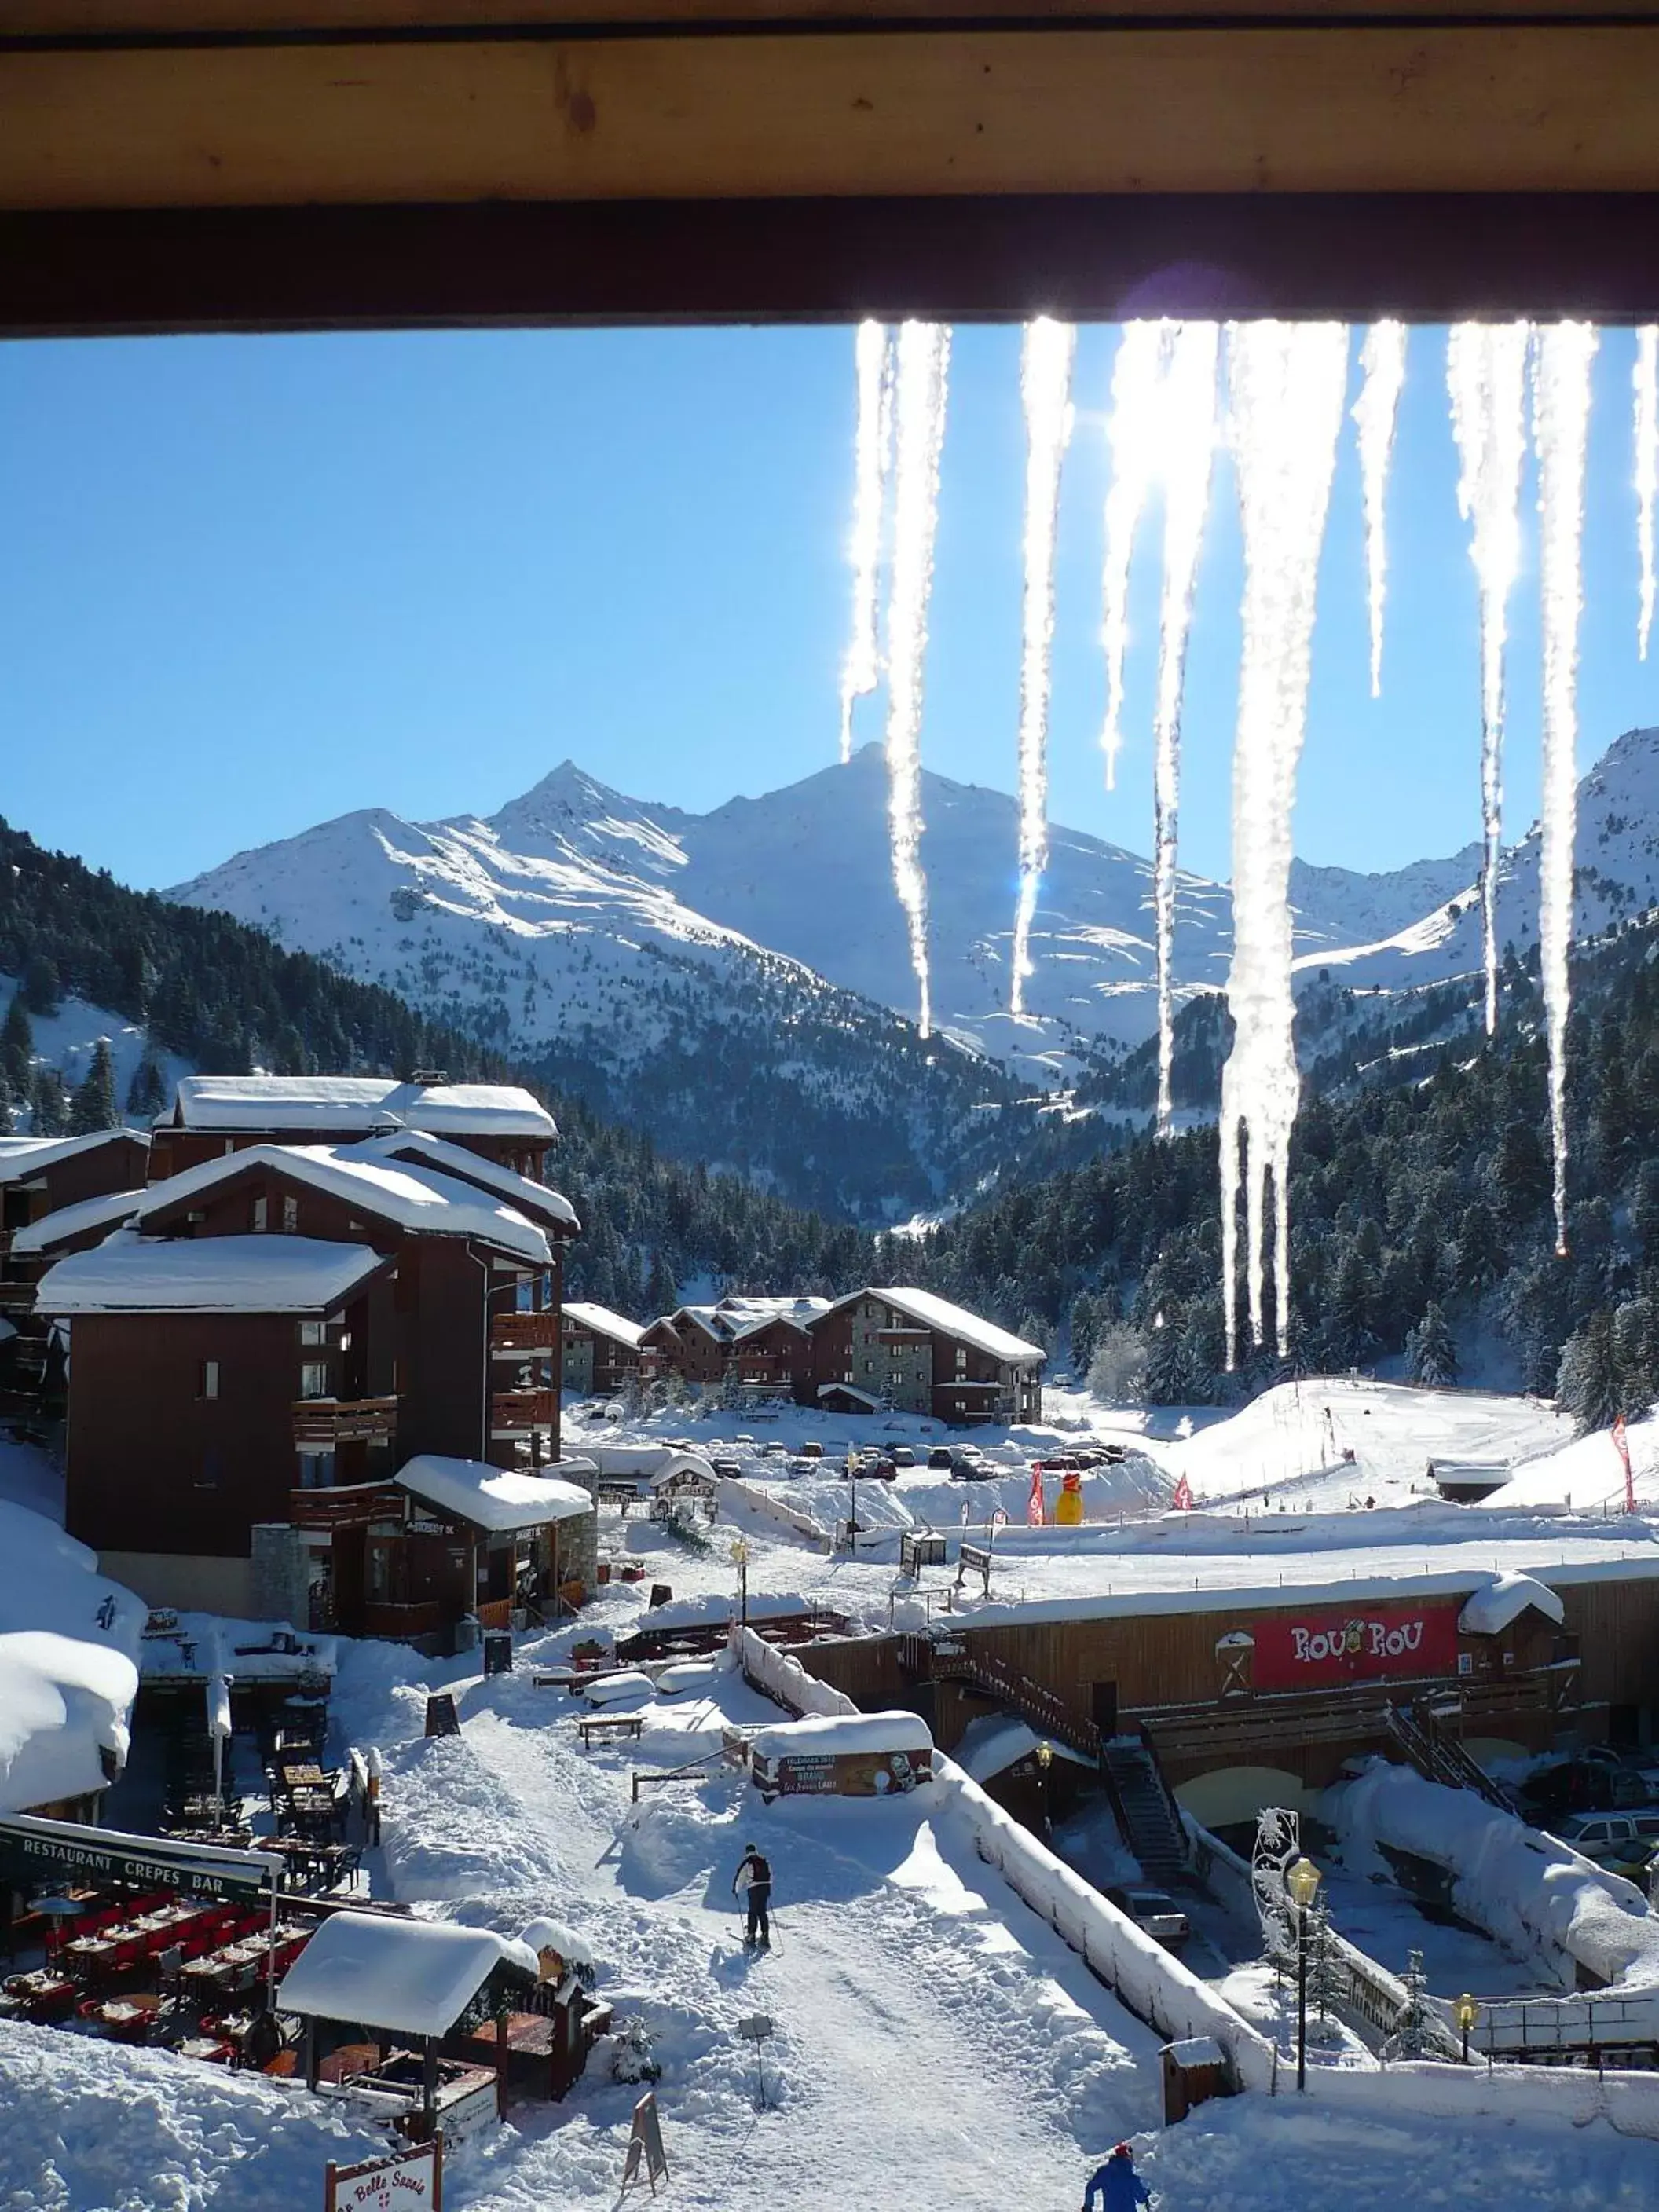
<point x="1045" y="1760"/>
<point x="740" y="1560"/>
<point x="1466" y="2012"/>
<point x="852" y="1523"/>
<point x="1301" y="1880"/>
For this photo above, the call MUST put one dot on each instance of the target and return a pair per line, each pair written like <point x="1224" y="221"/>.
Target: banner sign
<point x="403" y="2181"/>
<point x="33" y="1848"/>
<point x="1361" y="1642"/>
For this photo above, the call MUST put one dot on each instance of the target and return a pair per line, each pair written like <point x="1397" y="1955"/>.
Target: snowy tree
<point x="1411" y="2034"/>
<point x="93" y="1107"/>
<point x="5" y="1105"/>
<point x="1327" y="1976"/>
<point x="47" y="1104"/>
<point x="41" y="989"/>
<point x="1431" y="1355"/>
<point x="147" y="1095"/>
<point x="1117" y="1372"/>
<point x="1083" y="1329"/>
<point x="1168" y="1372"/>
<point x="1587" y="1384"/>
<point x="17" y="1049"/>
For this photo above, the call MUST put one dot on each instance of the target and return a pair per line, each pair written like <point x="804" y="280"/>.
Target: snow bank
<point x="1148" y="1978"/>
<point x="1556" y="2096"/>
<point x="768" y="1506"/>
<point x="409" y="1977"/>
<point x="779" y="1676"/>
<point x="1526" y="1889"/>
<point x="1490" y="1611"/>
<point x="831" y="1736"/>
<point x="69" y="1644"/>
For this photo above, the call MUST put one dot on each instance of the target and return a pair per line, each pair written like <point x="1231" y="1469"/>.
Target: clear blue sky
<point x="246" y="584"/>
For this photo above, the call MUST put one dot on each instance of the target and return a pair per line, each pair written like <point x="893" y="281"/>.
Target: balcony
<point x="524" y="1333"/>
<point x="320" y="1424"/>
<point x="345" y="1505"/>
<point x="516" y="1412"/>
<point x="17" y="1297"/>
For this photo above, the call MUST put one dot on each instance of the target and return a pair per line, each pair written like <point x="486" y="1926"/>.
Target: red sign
<point x="1357" y="1643"/>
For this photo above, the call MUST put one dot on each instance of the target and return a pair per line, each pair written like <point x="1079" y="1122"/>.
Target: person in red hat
<point x="1117" y="2186"/>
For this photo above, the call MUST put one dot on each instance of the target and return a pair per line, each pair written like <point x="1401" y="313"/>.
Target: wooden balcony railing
<point x="514" y="1412"/>
<point x="17" y="1297"/>
<point x="524" y="1332"/>
<point x="344" y="1505"/>
<point x="320" y="1424"/>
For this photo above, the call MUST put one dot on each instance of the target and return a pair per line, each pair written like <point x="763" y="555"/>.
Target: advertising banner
<point x="1358" y="1643"/>
<point x="412" y="2178"/>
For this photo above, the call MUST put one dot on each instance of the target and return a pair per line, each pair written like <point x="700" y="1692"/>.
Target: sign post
<point x="411" y="2180"/>
<point x="755" y="2027"/>
<point x="645" y="2148"/>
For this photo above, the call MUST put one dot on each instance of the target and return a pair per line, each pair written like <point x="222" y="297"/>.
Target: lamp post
<point x="1045" y="1760"/>
<point x="852" y="1521"/>
<point x="1301" y="1880"/>
<point x="1466" y="2012"/>
<point x="740" y="1560"/>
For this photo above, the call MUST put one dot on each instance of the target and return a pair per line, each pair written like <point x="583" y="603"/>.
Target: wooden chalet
<point x="279" y="1330"/>
<point x="918" y="1353"/>
<point x="212" y="1115"/>
<point x="73" y="1187"/>
<point x="763" y="1346"/>
<point x="599" y="1351"/>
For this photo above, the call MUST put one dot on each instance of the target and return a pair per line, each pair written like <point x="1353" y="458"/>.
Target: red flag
<point x="1182" y="1500"/>
<point x="1622" y="1445"/>
<point x="1036" y="1504"/>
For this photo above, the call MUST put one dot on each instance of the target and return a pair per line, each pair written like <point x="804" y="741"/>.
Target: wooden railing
<point x="319" y="1424"/>
<point x="343" y="1505"/>
<point x="513" y="1412"/>
<point x="394" y="1621"/>
<point x="524" y="1332"/>
<point x="1332" y="1716"/>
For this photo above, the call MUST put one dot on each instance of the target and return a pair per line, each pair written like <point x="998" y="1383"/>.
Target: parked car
<point x="726" y="1465"/>
<point x="811" y="1449"/>
<point x="1060" y="1463"/>
<point x="1620" y="1840"/>
<point x="879" y="1465"/>
<point x="903" y="1456"/>
<point x="775" y="1448"/>
<point x="1155" y="1911"/>
<point x="749" y="1441"/>
<point x="942" y="1458"/>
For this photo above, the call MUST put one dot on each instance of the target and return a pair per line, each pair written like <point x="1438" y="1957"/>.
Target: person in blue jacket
<point x="1117" y="2185"/>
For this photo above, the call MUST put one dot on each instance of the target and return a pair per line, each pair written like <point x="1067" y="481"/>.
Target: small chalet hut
<point x="489" y="1539"/>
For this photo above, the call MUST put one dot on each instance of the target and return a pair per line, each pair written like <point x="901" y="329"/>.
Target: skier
<point x="1119" y="2188"/>
<point x="754" y="1878"/>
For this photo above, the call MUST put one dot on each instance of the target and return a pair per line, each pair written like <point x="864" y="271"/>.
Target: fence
<point x="750" y="1495"/>
<point x="1420" y="2089"/>
<point x="779" y="1676"/>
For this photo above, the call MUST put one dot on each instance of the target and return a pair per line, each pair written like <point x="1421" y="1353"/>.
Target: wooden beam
<point x="1540" y="108"/>
<point x="1419" y="256"/>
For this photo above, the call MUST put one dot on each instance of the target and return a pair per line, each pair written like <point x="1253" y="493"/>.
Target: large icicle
<point x="1376" y="413"/>
<point x="1286" y="384"/>
<point x="1132" y="433"/>
<point x="861" y="668"/>
<point x="1045" y="385"/>
<point x="1187" y="443"/>
<point x="1560" y="424"/>
<point x="1647" y="467"/>
<point x="924" y="352"/>
<point x="1486" y="377"/>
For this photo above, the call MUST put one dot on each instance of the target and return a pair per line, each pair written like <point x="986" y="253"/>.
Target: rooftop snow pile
<point x="1526" y="1889"/>
<point x="1490" y="1611"/>
<point x="603" y="1323"/>
<point x="522" y="1191"/>
<point x="493" y="1497"/>
<point x="369" y="1103"/>
<point x="22" y="1158"/>
<point x="934" y="1312"/>
<point x="996" y="1742"/>
<point x="71" y="1221"/>
<point x="836" y="1735"/>
<point x="68" y="1643"/>
<point x="130" y="1274"/>
<point x="408" y="1976"/>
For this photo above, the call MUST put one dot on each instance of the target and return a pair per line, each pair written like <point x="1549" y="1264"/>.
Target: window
<point x="312" y="1332"/>
<point x="869" y="1366"/>
<point x="962" y="1359"/>
<point x="261" y="1212"/>
<point x="316" y="1470"/>
<point x="313" y="1379"/>
<point x="207" y="1475"/>
<point x="207" y="1378"/>
<point x="291" y="1215"/>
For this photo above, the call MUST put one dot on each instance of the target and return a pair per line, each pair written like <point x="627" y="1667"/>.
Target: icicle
<point x="1186" y="444"/>
<point x="1486" y="378"/>
<point x="924" y="352"/>
<point x="1132" y="433"/>
<point x="1286" y="384"/>
<point x="1375" y="412"/>
<point x="861" y="668"/>
<point x="1647" y="466"/>
<point x="1560" y="423"/>
<point x="1045" y="384"/>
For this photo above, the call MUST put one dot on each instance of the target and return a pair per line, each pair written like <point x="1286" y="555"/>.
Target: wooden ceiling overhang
<point x="272" y="164"/>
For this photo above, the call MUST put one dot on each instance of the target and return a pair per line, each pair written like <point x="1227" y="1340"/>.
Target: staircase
<point x="1146" y="1812"/>
<point x="1440" y="1758"/>
<point x="1041" y="1708"/>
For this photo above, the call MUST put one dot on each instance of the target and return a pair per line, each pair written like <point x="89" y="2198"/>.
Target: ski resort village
<point x="445" y="1726"/>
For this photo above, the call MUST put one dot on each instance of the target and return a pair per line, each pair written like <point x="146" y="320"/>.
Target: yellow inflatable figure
<point x="1068" y="1506"/>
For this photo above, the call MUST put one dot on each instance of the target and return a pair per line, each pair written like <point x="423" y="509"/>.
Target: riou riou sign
<point x="1357" y="1644"/>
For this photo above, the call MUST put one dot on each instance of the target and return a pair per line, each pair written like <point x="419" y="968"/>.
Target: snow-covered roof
<point x="69" y="1222"/>
<point x="23" y="1157"/>
<point x="735" y="1318"/>
<point x="522" y="1191"/>
<point x="365" y="1102"/>
<point x="850" y="1390"/>
<point x="603" y="1323"/>
<point x="69" y="1640"/>
<point x="934" y="1312"/>
<point x="493" y="1497"/>
<point x="1490" y="1611"/>
<point x="409" y="1977"/>
<point x="131" y="1274"/>
<point x="996" y="1742"/>
<point x="420" y="1199"/>
<point x="835" y="1734"/>
<point x="545" y="1934"/>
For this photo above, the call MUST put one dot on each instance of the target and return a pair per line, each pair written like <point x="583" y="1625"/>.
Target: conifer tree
<point x="17" y="1049"/>
<point x="1431" y="1354"/>
<point x="48" y="1106"/>
<point x="93" y="1106"/>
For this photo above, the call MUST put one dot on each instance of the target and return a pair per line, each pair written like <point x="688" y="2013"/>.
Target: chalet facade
<point x="75" y="1188"/>
<point x="599" y="1351"/>
<point x="279" y="1331"/>
<point x="917" y="1353"/>
<point x="762" y="1345"/>
<point x="212" y="1115"/>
